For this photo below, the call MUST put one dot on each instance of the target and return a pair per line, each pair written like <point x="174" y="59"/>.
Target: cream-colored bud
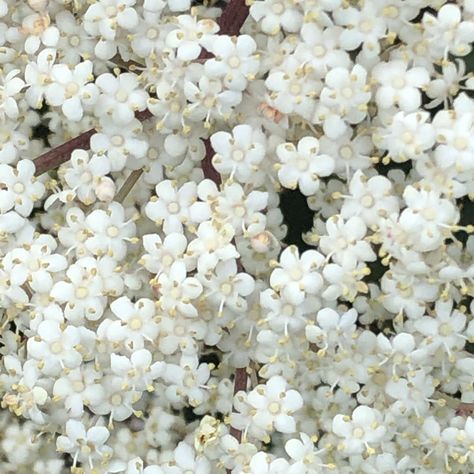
<point x="105" y="190"/>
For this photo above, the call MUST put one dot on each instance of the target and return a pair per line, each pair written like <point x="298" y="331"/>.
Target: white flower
<point x="235" y="60"/>
<point x="38" y="77"/>
<point x="211" y="245"/>
<point x="108" y="231"/>
<point x="120" y="97"/>
<point x="55" y="348"/>
<point x="407" y="137"/>
<point x="430" y="214"/>
<point x="343" y="100"/>
<point x="361" y="431"/>
<point x="85" y="446"/>
<point x="447" y="32"/>
<point x="444" y="330"/>
<point x="19" y="189"/>
<point x="399" y="85"/>
<point x="78" y="388"/>
<point x="136" y="323"/>
<point x="273" y="406"/>
<point x="189" y="36"/>
<point x="344" y="241"/>
<point x="276" y="14"/>
<point x="138" y="371"/>
<point x="103" y="17"/>
<point x="118" y="143"/>
<point x="85" y="289"/>
<point x="296" y="276"/>
<point x="10" y="86"/>
<point x="176" y="291"/>
<point x="86" y="174"/>
<point x="163" y="253"/>
<point x="239" y="154"/>
<point x="293" y="88"/>
<point x="34" y="263"/>
<point x="36" y="27"/>
<point x="173" y="207"/>
<point x="72" y="89"/>
<point x="302" y="166"/>
<point x="365" y="26"/>
<point x="370" y="198"/>
<point x="227" y="288"/>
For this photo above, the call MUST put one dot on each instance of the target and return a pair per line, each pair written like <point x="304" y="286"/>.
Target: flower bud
<point x="105" y="190"/>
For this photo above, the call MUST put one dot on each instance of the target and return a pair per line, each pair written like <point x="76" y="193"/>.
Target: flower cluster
<point x="157" y="317"/>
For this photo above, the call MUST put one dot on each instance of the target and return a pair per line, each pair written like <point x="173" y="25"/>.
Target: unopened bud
<point x="105" y="190"/>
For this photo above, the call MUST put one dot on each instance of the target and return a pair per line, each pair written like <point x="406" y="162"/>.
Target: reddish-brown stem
<point x="240" y="383"/>
<point x="233" y="17"/>
<point x="62" y="153"/>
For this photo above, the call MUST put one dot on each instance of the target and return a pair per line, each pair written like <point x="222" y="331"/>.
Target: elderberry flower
<point x="103" y="17"/>
<point x="108" y="231"/>
<point x="399" y="85"/>
<point x="120" y="97"/>
<point x="235" y="60"/>
<point x="19" y="189"/>
<point x="296" y="275"/>
<point x="358" y="432"/>
<point x="173" y="207"/>
<point x="189" y="36"/>
<point x="86" y="174"/>
<point x="10" y="86"/>
<point x="271" y="407"/>
<point x="55" y="348"/>
<point x="85" y="446"/>
<point x="302" y="166"/>
<point x="136" y="322"/>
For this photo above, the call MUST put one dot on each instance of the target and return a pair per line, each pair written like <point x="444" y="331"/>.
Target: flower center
<point x="398" y="82"/>
<point x="226" y="289"/>
<point x="19" y="188"/>
<point x="407" y="137"/>
<point x="234" y="61"/>
<point x="173" y="207"/>
<point x="366" y="26"/>
<point x="239" y="211"/>
<point x="274" y="408"/>
<point x="295" y="88"/>
<point x="72" y="89"/>
<point x="358" y="433"/>
<point x="238" y="155"/>
<point x="367" y="201"/>
<point x="112" y="231"/>
<point x="445" y="329"/>
<point x="121" y="95"/>
<point x="319" y="51"/>
<point x="151" y="33"/>
<point x="346" y="152"/>
<point x="117" y="140"/>
<point x="82" y="292"/>
<point x="78" y="386"/>
<point x="56" y="347"/>
<point x="429" y="214"/>
<point x="116" y="399"/>
<point x="302" y="164"/>
<point x="179" y="330"/>
<point x="74" y="40"/>
<point x="135" y="323"/>
<point x="347" y="92"/>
